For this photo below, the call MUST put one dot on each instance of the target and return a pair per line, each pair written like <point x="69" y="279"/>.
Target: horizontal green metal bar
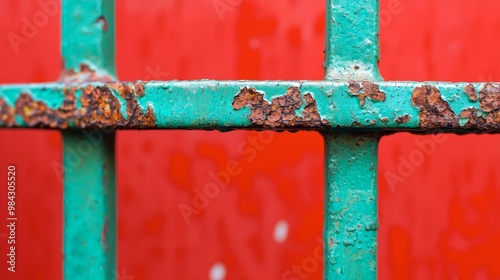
<point x="278" y="105"/>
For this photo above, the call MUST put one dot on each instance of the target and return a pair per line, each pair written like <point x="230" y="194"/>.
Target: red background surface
<point x="440" y="222"/>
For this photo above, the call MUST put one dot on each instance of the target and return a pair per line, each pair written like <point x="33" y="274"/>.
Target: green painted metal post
<point x="352" y="49"/>
<point x="88" y="36"/>
<point x="89" y="205"/>
<point x="90" y="211"/>
<point x="351" y="221"/>
<point x="350" y="230"/>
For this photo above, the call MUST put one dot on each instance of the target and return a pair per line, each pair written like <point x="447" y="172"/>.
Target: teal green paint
<point x="51" y="94"/>
<point x="89" y="205"/>
<point x="350" y="231"/>
<point x="352" y="49"/>
<point x="84" y="40"/>
<point x="207" y="104"/>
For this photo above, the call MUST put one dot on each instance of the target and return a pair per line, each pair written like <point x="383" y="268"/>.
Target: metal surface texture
<point x="89" y="193"/>
<point x="280" y="105"/>
<point x="351" y="223"/>
<point x="89" y="206"/>
<point x="352" y="108"/>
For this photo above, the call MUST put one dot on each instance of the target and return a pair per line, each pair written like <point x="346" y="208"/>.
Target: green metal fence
<point x="353" y="107"/>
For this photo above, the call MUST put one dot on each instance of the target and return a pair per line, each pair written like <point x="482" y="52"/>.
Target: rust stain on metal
<point x="489" y="115"/>
<point x="100" y="108"/>
<point x="102" y="20"/>
<point x="471" y="92"/>
<point x="434" y="112"/>
<point x="365" y="90"/>
<point x="85" y="74"/>
<point x="489" y="97"/>
<point x="280" y="112"/>
<point x="384" y="119"/>
<point x="7" y="114"/>
<point x="402" y="119"/>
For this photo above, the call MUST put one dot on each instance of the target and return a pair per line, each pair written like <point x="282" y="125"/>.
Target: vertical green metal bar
<point x="351" y="222"/>
<point x="352" y="50"/>
<point x="88" y="35"/>
<point x="89" y="205"/>
<point x="89" y="160"/>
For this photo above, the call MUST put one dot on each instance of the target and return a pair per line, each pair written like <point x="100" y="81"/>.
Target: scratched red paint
<point x="440" y="223"/>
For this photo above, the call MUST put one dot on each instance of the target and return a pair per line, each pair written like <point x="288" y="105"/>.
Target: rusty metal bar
<point x="89" y="194"/>
<point x="314" y="105"/>
<point x="351" y="220"/>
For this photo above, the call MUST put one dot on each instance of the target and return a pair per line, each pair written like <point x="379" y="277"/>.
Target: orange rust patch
<point x="402" y="119"/>
<point x="370" y="90"/>
<point x="434" y="111"/>
<point x="489" y="103"/>
<point x="471" y="92"/>
<point x="7" y="114"/>
<point x="100" y="109"/>
<point x="281" y="111"/>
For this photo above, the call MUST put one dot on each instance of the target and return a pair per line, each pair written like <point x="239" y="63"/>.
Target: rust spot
<point x="489" y="115"/>
<point x="434" y="112"/>
<point x="281" y="111"/>
<point x="366" y="90"/>
<point x="471" y="92"/>
<point x="100" y="109"/>
<point x="7" y="114"/>
<point x="85" y="74"/>
<point x="102" y="20"/>
<point x="402" y="119"/>
<point x="384" y="119"/>
<point x="489" y="97"/>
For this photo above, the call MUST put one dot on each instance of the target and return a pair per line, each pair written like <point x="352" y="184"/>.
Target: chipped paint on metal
<point x="435" y="112"/>
<point x="281" y="111"/>
<point x="365" y="90"/>
<point x="83" y="75"/>
<point x="471" y="92"/>
<point x="99" y="108"/>
<point x="402" y="119"/>
<point x="325" y="105"/>
<point x="7" y="114"/>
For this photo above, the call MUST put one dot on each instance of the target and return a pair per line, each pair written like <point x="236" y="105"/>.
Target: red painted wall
<point x="439" y="220"/>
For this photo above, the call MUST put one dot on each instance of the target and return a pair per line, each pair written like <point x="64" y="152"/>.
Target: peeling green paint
<point x="207" y="104"/>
